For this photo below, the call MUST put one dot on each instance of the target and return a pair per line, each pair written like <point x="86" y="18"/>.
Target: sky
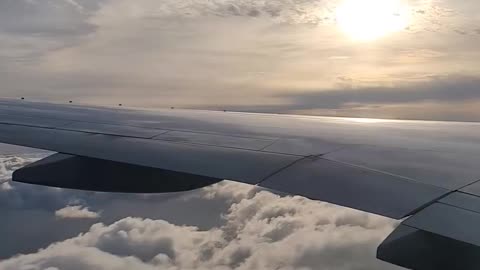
<point x="415" y="59"/>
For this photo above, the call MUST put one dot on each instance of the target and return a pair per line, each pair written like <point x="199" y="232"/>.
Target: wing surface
<point x="392" y="168"/>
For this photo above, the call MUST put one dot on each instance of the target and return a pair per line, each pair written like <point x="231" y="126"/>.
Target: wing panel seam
<point x="153" y="140"/>
<point x="136" y="126"/>
<point x="282" y="169"/>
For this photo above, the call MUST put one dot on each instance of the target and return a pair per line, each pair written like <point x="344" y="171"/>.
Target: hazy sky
<point x="393" y="58"/>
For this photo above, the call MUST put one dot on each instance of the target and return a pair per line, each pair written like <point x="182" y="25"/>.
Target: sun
<point x="366" y="20"/>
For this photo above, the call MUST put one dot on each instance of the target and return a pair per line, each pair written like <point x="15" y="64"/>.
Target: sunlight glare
<point x="367" y="120"/>
<point x="366" y="20"/>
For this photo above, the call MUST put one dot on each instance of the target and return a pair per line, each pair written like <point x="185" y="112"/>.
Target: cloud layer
<point x="259" y="230"/>
<point x="262" y="231"/>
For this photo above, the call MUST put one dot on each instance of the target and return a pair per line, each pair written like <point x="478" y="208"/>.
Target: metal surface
<point x="435" y="155"/>
<point x="303" y="146"/>
<point x="66" y="171"/>
<point x="415" y="135"/>
<point x="473" y="189"/>
<point x="215" y="140"/>
<point x="118" y="130"/>
<point x="449" y="221"/>
<point x="217" y="162"/>
<point x="416" y="249"/>
<point x="463" y="200"/>
<point x="444" y="235"/>
<point x="443" y="169"/>
<point x="344" y="185"/>
<point x="32" y="121"/>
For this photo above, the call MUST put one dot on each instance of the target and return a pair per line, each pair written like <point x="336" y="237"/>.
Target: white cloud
<point x="10" y="163"/>
<point x="76" y="211"/>
<point x="261" y="231"/>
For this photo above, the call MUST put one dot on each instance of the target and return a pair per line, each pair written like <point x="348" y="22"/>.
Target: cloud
<point x="283" y="11"/>
<point x="56" y="18"/>
<point x="449" y="98"/>
<point x="201" y="54"/>
<point x="5" y="186"/>
<point x="437" y="88"/>
<point x="10" y="163"/>
<point x="261" y="231"/>
<point x="22" y="202"/>
<point x="76" y="211"/>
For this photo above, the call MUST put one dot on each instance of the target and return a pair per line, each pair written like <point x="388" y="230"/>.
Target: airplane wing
<point x="425" y="171"/>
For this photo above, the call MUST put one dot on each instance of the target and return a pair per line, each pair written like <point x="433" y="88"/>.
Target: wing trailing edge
<point x="443" y="235"/>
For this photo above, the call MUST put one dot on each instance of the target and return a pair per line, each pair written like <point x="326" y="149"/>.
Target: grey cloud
<point x="52" y="18"/>
<point x="460" y="32"/>
<point x="444" y="89"/>
<point x="292" y="11"/>
<point x="441" y="89"/>
<point x="30" y="29"/>
<point x="451" y="92"/>
<point x="284" y="11"/>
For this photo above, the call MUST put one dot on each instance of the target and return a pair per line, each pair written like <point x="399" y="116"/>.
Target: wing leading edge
<point x="391" y="168"/>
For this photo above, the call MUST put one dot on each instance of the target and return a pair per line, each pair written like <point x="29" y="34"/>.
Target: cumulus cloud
<point x="261" y="231"/>
<point x="76" y="211"/>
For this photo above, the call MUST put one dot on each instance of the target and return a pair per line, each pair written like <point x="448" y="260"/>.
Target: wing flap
<point x="448" y="170"/>
<point x="443" y="235"/>
<point x="418" y="249"/>
<point x="450" y="221"/>
<point x="338" y="183"/>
